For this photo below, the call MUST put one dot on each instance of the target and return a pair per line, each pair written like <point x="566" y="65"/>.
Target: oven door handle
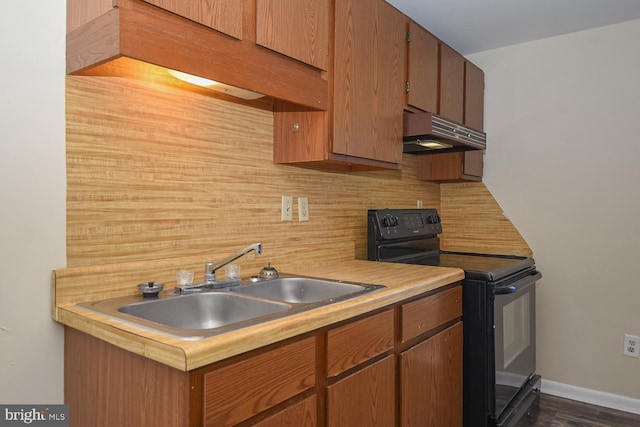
<point x="520" y="284"/>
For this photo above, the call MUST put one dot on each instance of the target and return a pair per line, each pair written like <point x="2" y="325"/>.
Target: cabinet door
<point x="296" y="28"/>
<point x="448" y="167"/>
<point x="451" y="84"/>
<point x="473" y="96"/>
<point x="422" y="70"/>
<point x="369" y="80"/>
<point x="431" y="381"/>
<point x="222" y="15"/>
<point x="301" y="414"/>
<point x="473" y="165"/>
<point x="365" y="398"/>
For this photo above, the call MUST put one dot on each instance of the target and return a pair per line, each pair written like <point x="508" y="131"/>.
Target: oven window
<point x="516" y="324"/>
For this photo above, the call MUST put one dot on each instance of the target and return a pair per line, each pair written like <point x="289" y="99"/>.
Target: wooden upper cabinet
<point x="422" y="69"/>
<point x="296" y="28"/>
<point x="368" y="80"/>
<point x="451" y="167"/>
<point x="362" y="129"/>
<point x="473" y="96"/>
<point x="222" y="15"/>
<point x="451" y="84"/>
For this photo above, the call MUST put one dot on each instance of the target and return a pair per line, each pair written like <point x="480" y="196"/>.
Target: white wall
<point x="32" y="194"/>
<point x="563" y="160"/>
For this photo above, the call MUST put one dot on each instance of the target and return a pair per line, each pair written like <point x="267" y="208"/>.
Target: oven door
<point x="515" y="337"/>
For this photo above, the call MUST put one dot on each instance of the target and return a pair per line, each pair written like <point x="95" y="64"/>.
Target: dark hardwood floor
<point x="553" y="411"/>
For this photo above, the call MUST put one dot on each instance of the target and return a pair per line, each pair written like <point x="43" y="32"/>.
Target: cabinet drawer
<point x="258" y="383"/>
<point x="430" y="312"/>
<point x="357" y="342"/>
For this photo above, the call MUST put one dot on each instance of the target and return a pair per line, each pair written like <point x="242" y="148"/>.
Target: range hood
<point x="428" y="133"/>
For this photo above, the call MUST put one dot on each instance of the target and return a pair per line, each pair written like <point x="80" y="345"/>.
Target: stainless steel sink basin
<point x="213" y="312"/>
<point x="192" y="316"/>
<point x="302" y="290"/>
<point x="203" y="311"/>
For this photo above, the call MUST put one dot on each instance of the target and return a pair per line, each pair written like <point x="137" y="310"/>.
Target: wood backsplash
<point x="155" y="171"/>
<point x="474" y="222"/>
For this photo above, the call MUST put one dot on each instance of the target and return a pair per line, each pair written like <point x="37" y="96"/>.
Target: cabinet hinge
<point x="408" y="87"/>
<point x="408" y="36"/>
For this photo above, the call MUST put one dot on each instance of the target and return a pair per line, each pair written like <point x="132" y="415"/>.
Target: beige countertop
<point x="402" y="281"/>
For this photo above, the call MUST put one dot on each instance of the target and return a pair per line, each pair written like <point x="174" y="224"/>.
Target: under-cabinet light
<point x="433" y="145"/>
<point x="214" y="85"/>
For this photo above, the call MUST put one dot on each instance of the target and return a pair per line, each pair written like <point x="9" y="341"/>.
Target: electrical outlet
<point x="303" y="209"/>
<point x="631" y="346"/>
<point x="287" y="208"/>
<point x="419" y="204"/>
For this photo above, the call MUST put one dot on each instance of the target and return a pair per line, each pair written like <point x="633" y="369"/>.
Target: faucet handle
<point x="209" y="274"/>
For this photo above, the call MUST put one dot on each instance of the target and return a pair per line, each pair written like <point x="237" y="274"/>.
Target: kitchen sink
<point x="300" y="290"/>
<point x="203" y="311"/>
<point x="212" y="312"/>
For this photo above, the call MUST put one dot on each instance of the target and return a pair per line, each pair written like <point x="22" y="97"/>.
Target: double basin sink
<point x="213" y="312"/>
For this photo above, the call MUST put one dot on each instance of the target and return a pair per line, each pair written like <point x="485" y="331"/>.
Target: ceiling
<point x="471" y="26"/>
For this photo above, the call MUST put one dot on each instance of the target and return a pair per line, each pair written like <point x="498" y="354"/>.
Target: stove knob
<point x="395" y="221"/>
<point x="386" y="222"/>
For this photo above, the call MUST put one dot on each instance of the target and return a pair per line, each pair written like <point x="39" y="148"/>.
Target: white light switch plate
<point x="303" y="209"/>
<point x="287" y="208"/>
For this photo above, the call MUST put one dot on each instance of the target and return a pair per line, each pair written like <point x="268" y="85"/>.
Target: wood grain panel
<point x="440" y="167"/>
<point x="357" y="342"/>
<point x="473" y="96"/>
<point x="431" y="381"/>
<point x="473" y="221"/>
<point x="423" y="315"/>
<point x="107" y="386"/>
<point x="301" y="414"/>
<point x="79" y="12"/>
<point x="222" y="15"/>
<point x="422" y="69"/>
<point x="259" y="383"/>
<point x="451" y="84"/>
<point x="296" y="28"/>
<point x="368" y="80"/>
<point x="157" y="172"/>
<point x="365" y="398"/>
<point x="146" y="33"/>
<point x="100" y="281"/>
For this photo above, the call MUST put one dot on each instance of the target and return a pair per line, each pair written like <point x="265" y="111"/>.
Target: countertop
<point x="402" y="281"/>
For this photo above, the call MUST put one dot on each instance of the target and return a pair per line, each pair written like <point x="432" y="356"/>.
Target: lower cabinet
<point x="365" y="398"/>
<point x="398" y="366"/>
<point x="430" y="379"/>
<point x="301" y="414"/>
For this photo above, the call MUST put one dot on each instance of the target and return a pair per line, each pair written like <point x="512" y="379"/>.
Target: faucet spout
<point x="210" y="272"/>
<point x="212" y="267"/>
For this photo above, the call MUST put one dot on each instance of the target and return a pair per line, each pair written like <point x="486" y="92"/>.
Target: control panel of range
<point x="402" y="223"/>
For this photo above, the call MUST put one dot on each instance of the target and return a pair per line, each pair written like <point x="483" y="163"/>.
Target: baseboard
<point x="594" y="397"/>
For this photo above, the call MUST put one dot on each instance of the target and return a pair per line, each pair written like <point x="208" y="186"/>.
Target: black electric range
<point x="500" y="382"/>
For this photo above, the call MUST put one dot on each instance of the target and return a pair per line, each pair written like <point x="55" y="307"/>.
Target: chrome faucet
<point x="211" y="268"/>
